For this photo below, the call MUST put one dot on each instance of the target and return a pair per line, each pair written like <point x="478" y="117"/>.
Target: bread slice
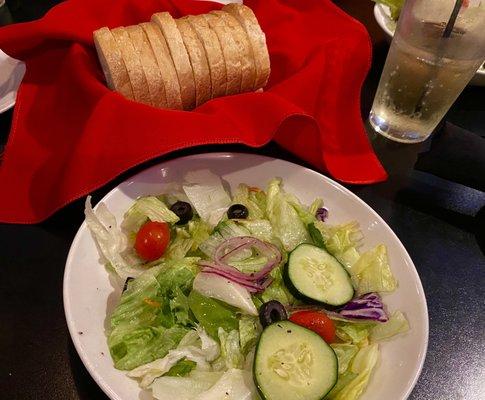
<point x="133" y="65"/>
<point x="165" y="65"/>
<point x="152" y="73"/>
<point x="248" y="69"/>
<point x="112" y="63"/>
<point x="198" y="60"/>
<point x="213" y="52"/>
<point x="256" y="36"/>
<point x="179" y="56"/>
<point x="229" y="51"/>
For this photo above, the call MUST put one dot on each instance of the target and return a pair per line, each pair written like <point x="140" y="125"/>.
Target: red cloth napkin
<point x="70" y="135"/>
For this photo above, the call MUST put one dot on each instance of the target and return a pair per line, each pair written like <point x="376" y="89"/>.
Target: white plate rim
<point x="66" y="302"/>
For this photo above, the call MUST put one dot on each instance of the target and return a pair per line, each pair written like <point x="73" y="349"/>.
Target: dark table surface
<point x="433" y="200"/>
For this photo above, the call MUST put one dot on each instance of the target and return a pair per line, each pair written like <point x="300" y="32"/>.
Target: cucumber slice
<point x="293" y="362"/>
<point x="316" y="275"/>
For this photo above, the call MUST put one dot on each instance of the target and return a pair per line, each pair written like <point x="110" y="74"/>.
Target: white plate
<point x="11" y="73"/>
<point x="382" y="15"/>
<point x="90" y="294"/>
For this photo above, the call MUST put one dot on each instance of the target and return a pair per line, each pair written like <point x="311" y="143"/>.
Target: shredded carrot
<point x="254" y="189"/>
<point x="151" y="302"/>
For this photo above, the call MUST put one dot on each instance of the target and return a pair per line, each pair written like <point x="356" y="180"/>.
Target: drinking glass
<point x="437" y="48"/>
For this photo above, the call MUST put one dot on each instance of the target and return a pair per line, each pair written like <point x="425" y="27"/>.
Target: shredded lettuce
<point x="207" y="195"/>
<point x="372" y="273"/>
<point x="287" y="225"/>
<point x="397" y="324"/>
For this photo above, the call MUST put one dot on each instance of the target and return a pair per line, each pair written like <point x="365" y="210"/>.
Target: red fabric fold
<point x="70" y="135"/>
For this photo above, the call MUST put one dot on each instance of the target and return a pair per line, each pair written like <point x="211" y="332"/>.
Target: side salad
<point x="244" y="295"/>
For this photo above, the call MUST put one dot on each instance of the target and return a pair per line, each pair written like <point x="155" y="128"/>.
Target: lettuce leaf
<point x="277" y="290"/>
<point x="235" y="384"/>
<point x="306" y="214"/>
<point x="345" y="353"/>
<point x="354" y="333"/>
<point x="207" y="195"/>
<point x="147" y="322"/>
<point x="249" y="331"/>
<point x="372" y="273"/>
<point x="182" y="368"/>
<point x="242" y="196"/>
<point x="230" y="349"/>
<point x="202" y="352"/>
<point x="259" y="228"/>
<point x="212" y="314"/>
<point x="397" y="324"/>
<point x="110" y="240"/>
<point x="341" y="241"/>
<point x="355" y="380"/>
<point x="199" y="231"/>
<point x="179" y="245"/>
<point x="287" y="225"/>
<point x="184" y="388"/>
<point x="147" y="208"/>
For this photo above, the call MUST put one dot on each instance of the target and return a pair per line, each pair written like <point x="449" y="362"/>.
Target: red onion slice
<point x="255" y="282"/>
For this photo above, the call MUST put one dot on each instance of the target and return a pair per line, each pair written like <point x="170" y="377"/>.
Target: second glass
<point x="437" y="48"/>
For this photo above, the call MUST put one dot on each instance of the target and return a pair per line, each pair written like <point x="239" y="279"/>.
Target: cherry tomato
<point x="317" y="322"/>
<point x="152" y="239"/>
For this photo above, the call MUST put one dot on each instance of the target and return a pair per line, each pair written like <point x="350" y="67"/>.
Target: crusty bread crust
<point x="165" y="64"/>
<point x="152" y="73"/>
<point x="179" y="56"/>
<point x="112" y="63"/>
<point x="133" y="65"/>
<point x="213" y="52"/>
<point x="198" y="60"/>
<point x="229" y="52"/>
<point x="248" y="68"/>
<point x="257" y="38"/>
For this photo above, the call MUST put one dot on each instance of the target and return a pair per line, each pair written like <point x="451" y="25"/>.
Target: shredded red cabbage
<point x="368" y="306"/>
<point x="322" y="214"/>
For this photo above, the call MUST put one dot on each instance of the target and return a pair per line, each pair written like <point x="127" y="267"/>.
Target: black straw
<point x="451" y="22"/>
